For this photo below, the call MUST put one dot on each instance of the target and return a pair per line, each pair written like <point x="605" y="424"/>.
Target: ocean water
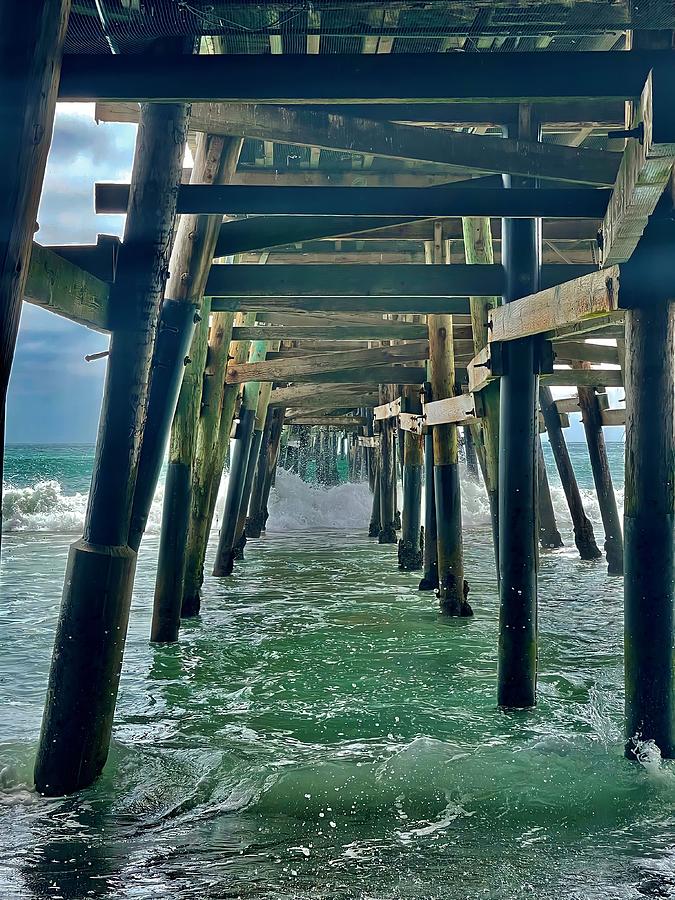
<point x="320" y="732"/>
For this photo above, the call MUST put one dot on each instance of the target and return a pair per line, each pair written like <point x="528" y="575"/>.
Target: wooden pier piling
<point x="410" y="547"/>
<point x="649" y="527"/>
<point x="583" y="529"/>
<point x="387" y="474"/>
<point x="31" y="44"/>
<point x="549" y="536"/>
<point x="429" y="580"/>
<point x="518" y="560"/>
<point x="92" y="626"/>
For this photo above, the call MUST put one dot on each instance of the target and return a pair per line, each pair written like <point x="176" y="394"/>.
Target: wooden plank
<point x="451" y="200"/>
<point x="354" y="281"/>
<point x="585" y="298"/>
<point x="330" y="421"/>
<point x="613" y="417"/>
<point x="458" y="410"/>
<point x="374" y="304"/>
<point x="404" y="374"/>
<point x="568" y="404"/>
<point x="597" y="378"/>
<point x="386" y="331"/>
<point x="58" y="285"/>
<point x="387" y="410"/>
<point x="474" y="152"/>
<point x="644" y="173"/>
<point x="557" y="114"/>
<point x="361" y="78"/>
<point x="295" y="368"/>
<point x="333" y="393"/>
<point x="478" y="370"/>
<point x="412" y="423"/>
<point x="582" y="350"/>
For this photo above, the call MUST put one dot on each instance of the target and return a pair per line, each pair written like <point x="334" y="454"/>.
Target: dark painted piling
<point x="470" y="455"/>
<point x="91" y="631"/>
<point x="429" y="580"/>
<point x="387" y="474"/>
<point x="518" y="430"/>
<point x="583" y="529"/>
<point x="649" y="527"/>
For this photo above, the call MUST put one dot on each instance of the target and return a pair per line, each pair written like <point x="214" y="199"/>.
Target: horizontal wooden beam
<point x="582" y="350"/>
<point x="295" y="368"/>
<point x="56" y="284"/>
<point x="594" y="295"/>
<point x="381" y="374"/>
<point x="264" y="232"/>
<point x="423" y="203"/>
<point x="598" y="378"/>
<point x="335" y="394"/>
<point x="388" y="410"/>
<point x="385" y="331"/>
<point x="459" y="150"/>
<point x="645" y="171"/>
<point x="460" y="410"/>
<point x="373" y="304"/>
<point x="398" y="280"/>
<point x="361" y="78"/>
<point x="329" y="421"/>
<point x="555" y="114"/>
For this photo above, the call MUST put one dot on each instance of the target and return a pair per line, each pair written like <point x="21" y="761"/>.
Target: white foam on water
<point x="297" y="506"/>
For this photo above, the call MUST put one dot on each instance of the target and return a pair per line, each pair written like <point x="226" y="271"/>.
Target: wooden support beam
<point x="645" y="171"/>
<point x="372" y="304"/>
<point x="327" y="396"/>
<point x="386" y="331"/>
<point x="331" y="421"/>
<point x="361" y="78"/>
<point x="415" y="203"/>
<point x="583" y="350"/>
<point x="555" y="115"/>
<point x="296" y="368"/>
<point x="459" y="410"/>
<point x="567" y="304"/>
<point x="474" y="152"/>
<point x="389" y="410"/>
<point x="58" y="285"/>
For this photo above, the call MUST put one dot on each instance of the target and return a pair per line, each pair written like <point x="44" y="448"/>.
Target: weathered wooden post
<point x="478" y="249"/>
<point x="31" y="46"/>
<point x="452" y="587"/>
<point x="387" y="474"/>
<point x="591" y="416"/>
<point x="410" y="546"/>
<point x="92" y="626"/>
<point x="267" y="462"/>
<point x="549" y="536"/>
<point x="215" y="162"/>
<point x="239" y="460"/>
<point x="429" y="580"/>
<point x="470" y="454"/>
<point x="375" y="525"/>
<point x="583" y="529"/>
<point x="517" y="665"/>
<point x="208" y="475"/>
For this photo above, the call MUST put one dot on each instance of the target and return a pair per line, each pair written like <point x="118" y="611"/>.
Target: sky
<point x="54" y="395"/>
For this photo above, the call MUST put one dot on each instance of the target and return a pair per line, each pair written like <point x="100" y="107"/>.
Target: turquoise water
<point x="321" y="733"/>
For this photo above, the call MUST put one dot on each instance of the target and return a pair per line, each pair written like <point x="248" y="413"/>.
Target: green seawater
<point x="320" y="732"/>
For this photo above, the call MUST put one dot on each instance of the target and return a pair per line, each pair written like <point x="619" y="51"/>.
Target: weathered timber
<point x="573" y="351"/>
<point x="414" y="203"/>
<point x="345" y="304"/>
<point x="645" y="170"/>
<point x="216" y="158"/>
<point x="410" y="546"/>
<point x="83" y="684"/>
<point x="452" y="588"/>
<point x="386" y="331"/>
<point x="207" y="484"/>
<point x="478" y="249"/>
<point x="429" y="581"/>
<point x="361" y="78"/>
<point x="255" y="519"/>
<point x="176" y="328"/>
<point x="387" y="472"/>
<point x="239" y="463"/>
<point x="264" y="232"/>
<point x="518" y="561"/>
<point x="476" y="152"/>
<point x="583" y="529"/>
<point x="211" y="407"/>
<point x="355" y="281"/>
<point x="598" y="378"/>
<point x="592" y="418"/>
<point x="549" y="536"/>
<point x="31" y="45"/>
<point x="649" y="528"/>
<point x="459" y="410"/>
<point x="558" y="307"/>
<point x="322" y="396"/>
<point x="296" y="368"/>
<point x="63" y="288"/>
<point x="557" y="113"/>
